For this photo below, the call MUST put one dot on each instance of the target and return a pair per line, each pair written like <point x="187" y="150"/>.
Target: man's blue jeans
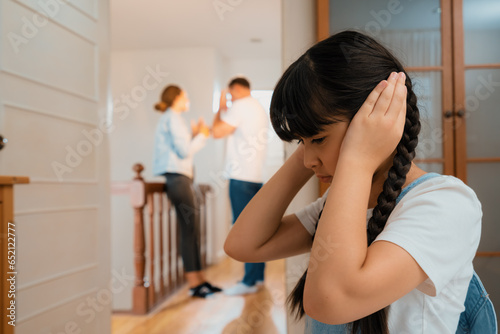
<point x="240" y="193"/>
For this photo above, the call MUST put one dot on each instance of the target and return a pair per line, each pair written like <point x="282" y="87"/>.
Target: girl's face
<point x="321" y="152"/>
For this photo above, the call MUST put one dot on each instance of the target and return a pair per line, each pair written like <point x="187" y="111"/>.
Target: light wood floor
<point x="262" y="312"/>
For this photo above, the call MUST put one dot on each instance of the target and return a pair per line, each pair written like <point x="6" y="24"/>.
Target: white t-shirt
<point x="247" y="145"/>
<point x="438" y="223"/>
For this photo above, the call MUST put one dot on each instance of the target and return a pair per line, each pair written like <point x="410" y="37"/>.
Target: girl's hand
<point x="378" y="126"/>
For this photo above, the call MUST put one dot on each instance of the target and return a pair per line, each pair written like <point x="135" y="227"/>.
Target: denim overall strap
<point x="415" y="183"/>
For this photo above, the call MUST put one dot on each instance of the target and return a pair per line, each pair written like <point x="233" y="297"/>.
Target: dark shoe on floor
<point x="201" y="291"/>
<point x="211" y="287"/>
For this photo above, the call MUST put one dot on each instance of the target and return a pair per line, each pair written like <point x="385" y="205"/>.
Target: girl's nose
<point x="311" y="159"/>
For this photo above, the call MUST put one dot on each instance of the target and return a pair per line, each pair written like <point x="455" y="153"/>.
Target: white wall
<point x="262" y="73"/>
<point x="132" y="138"/>
<point x="298" y="24"/>
<point x="193" y="69"/>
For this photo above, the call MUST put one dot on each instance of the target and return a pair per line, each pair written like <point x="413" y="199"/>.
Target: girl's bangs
<point x="298" y="109"/>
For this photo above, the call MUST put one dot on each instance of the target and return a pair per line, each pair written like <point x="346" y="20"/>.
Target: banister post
<point x="138" y="201"/>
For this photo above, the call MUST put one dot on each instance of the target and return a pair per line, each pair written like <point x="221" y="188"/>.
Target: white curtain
<point x="414" y="47"/>
<point x="422" y="48"/>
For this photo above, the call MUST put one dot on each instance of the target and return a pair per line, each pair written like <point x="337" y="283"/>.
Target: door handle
<point x="458" y="113"/>
<point x="3" y="141"/>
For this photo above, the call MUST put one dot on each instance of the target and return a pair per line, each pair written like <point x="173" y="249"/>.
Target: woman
<point x="351" y="106"/>
<point x="175" y="146"/>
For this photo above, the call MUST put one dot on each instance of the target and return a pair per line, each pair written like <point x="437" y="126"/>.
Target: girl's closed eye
<point x="318" y="140"/>
<point x="313" y="141"/>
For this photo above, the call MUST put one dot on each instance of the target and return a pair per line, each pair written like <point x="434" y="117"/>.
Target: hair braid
<point x="396" y="178"/>
<point x="405" y="152"/>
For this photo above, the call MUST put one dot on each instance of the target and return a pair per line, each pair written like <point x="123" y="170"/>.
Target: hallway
<point x="263" y="312"/>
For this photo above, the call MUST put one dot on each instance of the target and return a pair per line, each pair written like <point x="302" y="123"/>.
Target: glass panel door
<point x="480" y="127"/>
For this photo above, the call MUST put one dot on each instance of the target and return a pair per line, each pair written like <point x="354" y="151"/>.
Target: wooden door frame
<point x="459" y="126"/>
<point x="322" y="19"/>
<point x="447" y="88"/>
<point x="322" y="32"/>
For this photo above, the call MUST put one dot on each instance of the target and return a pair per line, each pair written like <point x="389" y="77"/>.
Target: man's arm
<point x="220" y="128"/>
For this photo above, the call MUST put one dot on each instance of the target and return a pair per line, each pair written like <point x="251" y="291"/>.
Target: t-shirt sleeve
<point x="232" y="116"/>
<point x="309" y="215"/>
<point x="439" y="224"/>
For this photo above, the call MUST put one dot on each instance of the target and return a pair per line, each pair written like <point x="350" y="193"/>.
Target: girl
<point x="351" y="106"/>
<point x="173" y="158"/>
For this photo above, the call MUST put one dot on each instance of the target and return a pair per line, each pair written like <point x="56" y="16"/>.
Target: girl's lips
<point x="324" y="179"/>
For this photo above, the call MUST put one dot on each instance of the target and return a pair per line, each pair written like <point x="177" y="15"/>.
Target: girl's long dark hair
<point x="328" y="84"/>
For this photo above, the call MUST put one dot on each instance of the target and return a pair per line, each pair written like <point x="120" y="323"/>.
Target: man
<point x="246" y="125"/>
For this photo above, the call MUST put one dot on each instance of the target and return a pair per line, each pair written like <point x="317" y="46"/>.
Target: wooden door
<point x="476" y="39"/>
<point x="53" y="111"/>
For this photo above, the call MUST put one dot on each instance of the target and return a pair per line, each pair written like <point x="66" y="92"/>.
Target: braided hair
<point x="328" y="84"/>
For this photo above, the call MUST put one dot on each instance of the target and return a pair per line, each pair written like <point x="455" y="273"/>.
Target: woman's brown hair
<point x="168" y="97"/>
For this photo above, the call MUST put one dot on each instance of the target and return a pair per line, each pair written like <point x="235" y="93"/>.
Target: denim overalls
<point x="479" y="315"/>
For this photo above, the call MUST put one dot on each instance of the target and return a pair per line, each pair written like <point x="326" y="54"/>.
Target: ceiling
<point x="236" y="28"/>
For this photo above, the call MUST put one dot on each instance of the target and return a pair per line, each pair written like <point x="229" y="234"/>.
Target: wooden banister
<point x="151" y="286"/>
<point x="151" y="246"/>
<point x="139" y="293"/>
<point x="488" y="254"/>
<point x="160" y="232"/>
<point x="8" y="251"/>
